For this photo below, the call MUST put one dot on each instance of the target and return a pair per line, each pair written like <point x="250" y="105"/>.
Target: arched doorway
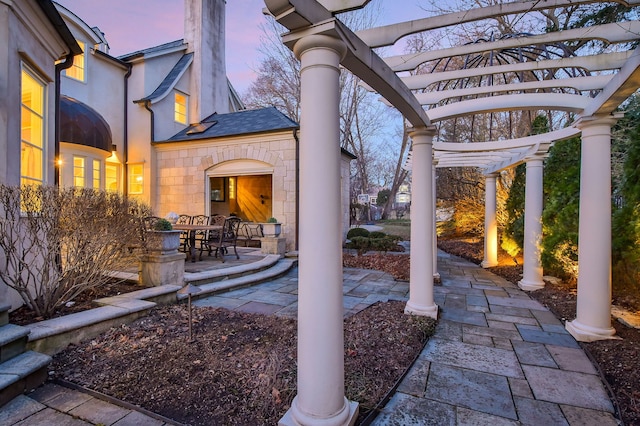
<point x="243" y="188"/>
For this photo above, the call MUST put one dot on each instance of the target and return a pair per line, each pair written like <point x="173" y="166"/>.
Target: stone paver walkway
<point x="497" y="357"/>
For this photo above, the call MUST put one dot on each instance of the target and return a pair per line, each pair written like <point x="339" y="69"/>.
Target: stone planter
<point x="271" y="229"/>
<point x="163" y="242"/>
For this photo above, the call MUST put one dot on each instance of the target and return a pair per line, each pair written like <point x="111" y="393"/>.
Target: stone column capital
<point x="319" y="41"/>
<point x="598" y="120"/>
<point x="418" y="132"/>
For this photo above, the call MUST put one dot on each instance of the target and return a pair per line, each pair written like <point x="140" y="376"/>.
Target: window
<point x="96" y="174"/>
<point x="32" y="157"/>
<point x="78" y="172"/>
<point x="76" y="71"/>
<point x="180" y="108"/>
<point x="111" y="172"/>
<point x="136" y="178"/>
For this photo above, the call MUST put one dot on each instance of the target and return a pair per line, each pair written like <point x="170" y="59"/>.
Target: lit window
<point x="180" y="108"/>
<point x="111" y="177"/>
<point x="136" y="178"/>
<point x="78" y="172"/>
<point x="96" y="174"/>
<point x="76" y="71"/>
<point x="32" y="164"/>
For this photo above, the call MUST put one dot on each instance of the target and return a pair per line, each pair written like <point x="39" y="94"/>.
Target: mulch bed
<point x="241" y="368"/>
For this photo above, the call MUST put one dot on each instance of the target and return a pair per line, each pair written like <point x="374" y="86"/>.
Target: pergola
<point x="324" y="44"/>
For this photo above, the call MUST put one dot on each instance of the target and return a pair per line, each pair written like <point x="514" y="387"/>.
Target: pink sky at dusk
<point x="134" y="25"/>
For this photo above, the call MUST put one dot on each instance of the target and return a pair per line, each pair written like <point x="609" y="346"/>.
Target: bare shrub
<point x="58" y="243"/>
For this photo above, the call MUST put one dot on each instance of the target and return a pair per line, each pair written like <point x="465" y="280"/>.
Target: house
<point x="33" y="40"/>
<point x="163" y="124"/>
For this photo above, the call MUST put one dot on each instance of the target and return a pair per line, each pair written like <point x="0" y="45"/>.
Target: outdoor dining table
<point x="193" y="229"/>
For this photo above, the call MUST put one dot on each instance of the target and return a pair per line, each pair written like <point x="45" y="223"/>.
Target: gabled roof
<point x="170" y="80"/>
<point x="236" y="123"/>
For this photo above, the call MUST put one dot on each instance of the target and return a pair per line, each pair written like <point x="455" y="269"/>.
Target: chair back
<point x="200" y="219"/>
<point x="184" y="219"/>
<point x="217" y="219"/>
<point x="230" y="231"/>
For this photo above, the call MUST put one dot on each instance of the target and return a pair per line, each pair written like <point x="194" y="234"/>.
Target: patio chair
<point x="214" y="219"/>
<point x="200" y="219"/>
<point x="227" y="238"/>
<point x="249" y="232"/>
<point x="184" y="219"/>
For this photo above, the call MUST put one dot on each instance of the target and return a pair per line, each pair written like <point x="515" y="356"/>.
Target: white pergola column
<point x="436" y="274"/>
<point x="422" y="214"/>
<point x="532" y="268"/>
<point x="593" y="310"/>
<point x="490" y="223"/>
<point x="320" y="399"/>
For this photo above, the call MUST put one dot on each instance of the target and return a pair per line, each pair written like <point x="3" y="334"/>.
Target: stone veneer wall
<point x="182" y="172"/>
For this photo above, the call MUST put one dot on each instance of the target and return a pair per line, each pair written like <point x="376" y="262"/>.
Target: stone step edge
<point x="232" y="272"/>
<point x="4" y="313"/>
<point x="21" y="366"/>
<point x="9" y="333"/>
<point x="210" y="289"/>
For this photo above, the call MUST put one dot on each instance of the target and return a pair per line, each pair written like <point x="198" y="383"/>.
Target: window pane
<point x="78" y="172"/>
<point x="111" y="177"/>
<point x="31" y="162"/>
<point x="180" y="108"/>
<point x="76" y="71"/>
<point x="136" y="180"/>
<point x="32" y="92"/>
<point x="96" y="174"/>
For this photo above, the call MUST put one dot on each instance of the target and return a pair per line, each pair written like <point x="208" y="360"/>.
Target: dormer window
<point x="76" y="71"/>
<point x="180" y="108"/>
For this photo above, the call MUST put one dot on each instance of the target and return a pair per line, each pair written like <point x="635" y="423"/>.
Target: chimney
<point x="204" y="32"/>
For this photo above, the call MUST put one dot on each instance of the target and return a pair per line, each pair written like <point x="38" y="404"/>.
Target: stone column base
<point x="424" y="311"/>
<point x="273" y="245"/>
<point x="162" y="269"/>
<point x="347" y="417"/>
<point x="488" y="264"/>
<point x="530" y="285"/>
<point x="585" y="333"/>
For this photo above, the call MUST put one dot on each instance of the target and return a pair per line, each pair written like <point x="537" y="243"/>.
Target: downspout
<point x="148" y="108"/>
<point x="125" y="139"/>
<point x="68" y="61"/>
<point x="297" y="230"/>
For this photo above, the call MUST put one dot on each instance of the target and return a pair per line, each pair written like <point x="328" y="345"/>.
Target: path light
<point x="189" y="290"/>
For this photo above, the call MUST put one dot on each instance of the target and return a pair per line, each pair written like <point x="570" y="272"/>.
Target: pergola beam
<point x="618" y="32"/>
<point x="387" y="35"/>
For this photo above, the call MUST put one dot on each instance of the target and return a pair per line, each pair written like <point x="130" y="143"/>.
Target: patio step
<point x="281" y="267"/>
<point x="4" y="314"/>
<point x="13" y="341"/>
<point x="21" y="374"/>
<point x="223" y="274"/>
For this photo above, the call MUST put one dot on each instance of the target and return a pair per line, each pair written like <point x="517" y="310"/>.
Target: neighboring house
<point x="162" y="124"/>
